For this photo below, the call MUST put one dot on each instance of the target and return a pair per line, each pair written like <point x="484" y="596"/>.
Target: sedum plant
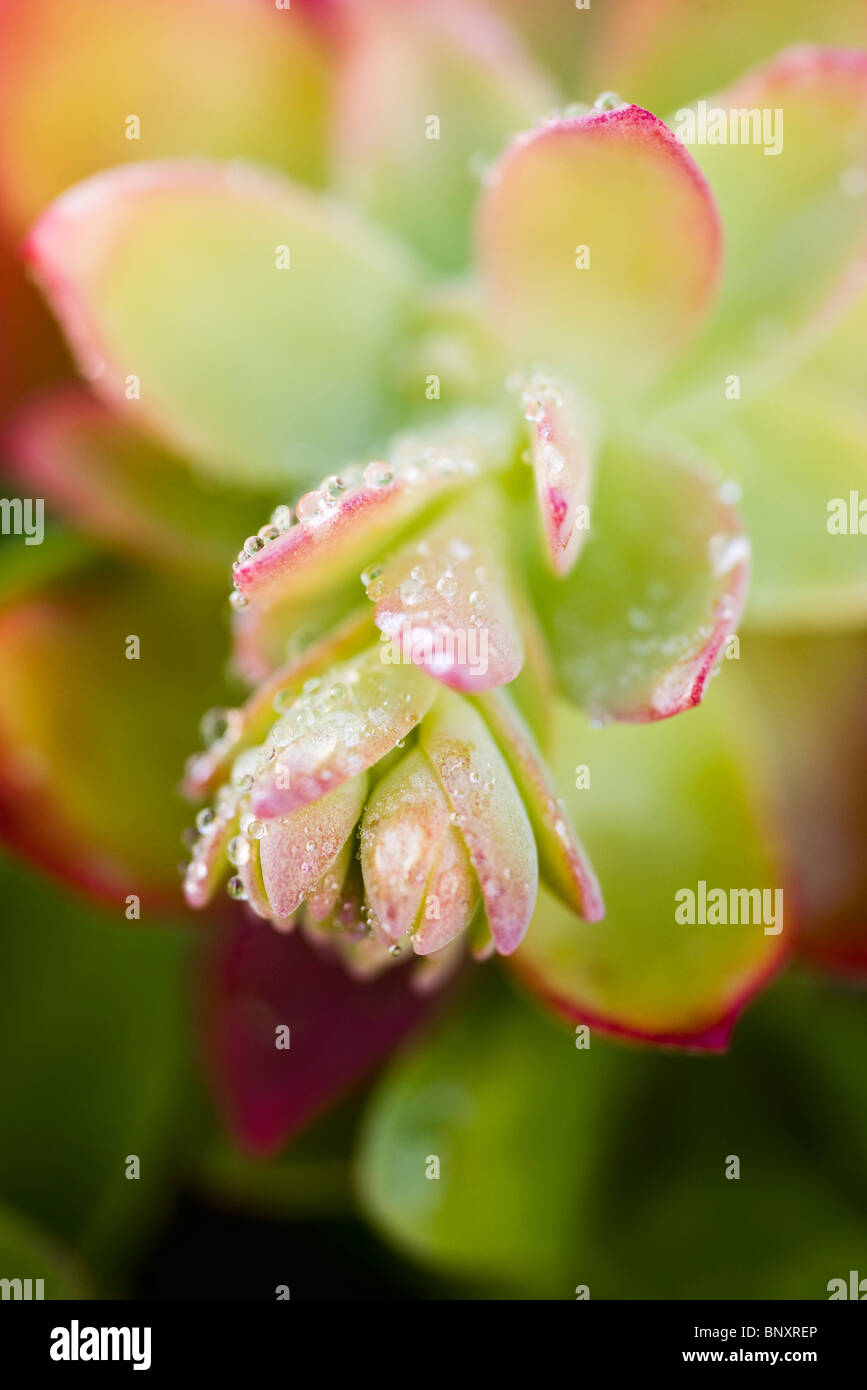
<point x="511" y="396"/>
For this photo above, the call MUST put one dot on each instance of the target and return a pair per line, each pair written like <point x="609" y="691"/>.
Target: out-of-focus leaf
<point x="263" y="324"/>
<point x="258" y="982"/>
<point x="93" y="740"/>
<point x="480" y="1145"/>
<point x="26" y="1253"/>
<point x="93" y="1044"/>
<point x="428" y="95"/>
<point x="663" y="810"/>
<point x="225" y="78"/>
<point x="798" y="454"/>
<point x="808" y="695"/>
<point x="795" y="219"/>
<point x="661" y="52"/>
<point x="114" y="484"/>
<point x="788" y="1103"/>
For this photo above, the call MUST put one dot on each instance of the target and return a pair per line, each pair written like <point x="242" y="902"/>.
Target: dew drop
<point x="377" y="475"/>
<point x="447" y="586"/>
<point x="309" y="506"/>
<point x="238" y="851"/>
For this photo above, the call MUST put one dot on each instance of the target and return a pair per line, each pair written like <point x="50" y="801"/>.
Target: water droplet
<point x="607" y="101"/>
<point x="447" y="586"/>
<point x="235" y="889"/>
<point x="552" y="461"/>
<point x="253" y="544"/>
<point x="394" y="950"/>
<point x="411" y="592"/>
<point x="237" y="600"/>
<point x="478" y="599"/>
<point x="204" y="819"/>
<point x="281" y="517"/>
<point x="217" y="723"/>
<point x="725" y="552"/>
<point x="238" y="851"/>
<point x="377" y="475"/>
<point x="309" y="506"/>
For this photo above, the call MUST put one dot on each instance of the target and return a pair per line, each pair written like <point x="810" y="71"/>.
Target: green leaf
<point x="94" y="730"/>
<point x="428" y="95"/>
<point x="264" y="324"/>
<point x="115" y="485"/>
<point x="797" y="454"/>
<point x="636" y="627"/>
<point x="92" y="1009"/>
<point x="665" y="810"/>
<point x="509" y="1108"/>
<point x="795" y="223"/>
<point x="71" y="76"/>
<point x="789" y="1103"/>
<point x="599" y="245"/>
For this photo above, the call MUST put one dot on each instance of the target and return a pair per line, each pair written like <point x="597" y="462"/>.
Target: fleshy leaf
<point x="343" y="525"/>
<point x="665" y="813"/>
<point x="444" y="601"/>
<point x="97" y="1006"/>
<point x="488" y="812"/>
<point x="563" y="864"/>
<point x="209" y="861"/>
<point x="800" y="456"/>
<point x="223" y="289"/>
<point x="259" y="980"/>
<point x="495" y="1079"/>
<point x="450" y="901"/>
<point x="636" y="629"/>
<point x="297" y="850"/>
<point x="249" y="725"/>
<point x="599" y="245"/>
<point x="358" y="713"/>
<point x="795" y="222"/>
<point x="808" y="698"/>
<point x="563" y="462"/>
<point x="428" y="94"/>
<point x="118" y="486"/>
<point x="86" y="789"/>
<point x="403" y="826"/>
<point x="115" y="64"/>
<point x="667" y="51"/>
